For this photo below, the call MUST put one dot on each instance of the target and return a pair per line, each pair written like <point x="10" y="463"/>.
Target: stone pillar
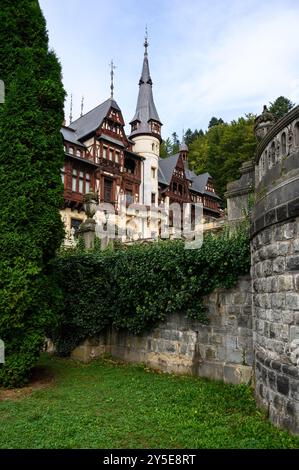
<point x="238" y="195"/>
<point x="87" y="228"/>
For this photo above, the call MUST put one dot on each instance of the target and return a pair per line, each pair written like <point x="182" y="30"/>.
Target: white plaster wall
<point x="148" y="146"/>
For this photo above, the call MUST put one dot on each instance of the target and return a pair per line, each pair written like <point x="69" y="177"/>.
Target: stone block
<point x="283" y="385"/>
<point x="293" y="263"/>
<point x="267" y="268"/>
<point x="277" y="300"/>
<point x="289" y="230"/>
<point x="279" y="265"/>
<point x="296" y="245"/>
<point x="211" y="370"/>
<point x="285" y="283"/>
<point x="271" y="251"/>
<point x="292" y="300"/>
<point x="237" y="374"/>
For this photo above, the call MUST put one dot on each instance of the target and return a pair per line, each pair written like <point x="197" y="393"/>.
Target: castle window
<point x="130" y="165"/>
<point x="153" y="172"/>
<point x="108" y="184"/>
<point x="71" y="150"/>
<point x="153" y="198"/>
<point x="117" y="157"/>
<point x="110" y="154"/>
<point x="180" y="189"/>
<point x="129" y="196"/>
<point x="283" y="144"/>
<point x="104" y="152"/>
<point x="297" y="134"/>
<point x="75" y="224"/>
<point x="74" y="180"/>
<point x="78" y="153"/>
<point x="153" y="147"/>
<point x="81" y="181"/>
<point x="87" y="182"/>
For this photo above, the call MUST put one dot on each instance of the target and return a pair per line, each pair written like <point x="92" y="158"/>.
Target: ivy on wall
<point x="136" y="287"/>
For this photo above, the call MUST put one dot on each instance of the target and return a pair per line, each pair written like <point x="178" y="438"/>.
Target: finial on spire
<point x="71" y="109"/>
<point x="112" y="68"/>
<point x="146" y="39"/>
<point x="82" y="105"/>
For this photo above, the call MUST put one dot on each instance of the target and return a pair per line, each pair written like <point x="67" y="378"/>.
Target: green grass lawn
<point x="108" y="405"/>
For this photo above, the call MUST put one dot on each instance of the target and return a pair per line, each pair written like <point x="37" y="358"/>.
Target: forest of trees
<point x="223" y="148"/>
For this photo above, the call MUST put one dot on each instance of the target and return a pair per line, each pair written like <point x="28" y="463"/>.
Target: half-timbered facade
<point x="100" y="157"/>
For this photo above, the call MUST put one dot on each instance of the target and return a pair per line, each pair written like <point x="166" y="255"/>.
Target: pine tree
<point x="31" y="155"/>
<point x="281" y="106"/>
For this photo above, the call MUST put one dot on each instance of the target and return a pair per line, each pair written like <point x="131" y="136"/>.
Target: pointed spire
<point x="145" y="109"/>
<point x="71" y="109"/>
<point x="112" y="68"/>
<point x="183" y="146"/>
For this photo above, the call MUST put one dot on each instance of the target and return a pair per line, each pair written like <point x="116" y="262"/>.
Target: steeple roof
<point x="90" y="121"/>
<point x="145" y="109"/>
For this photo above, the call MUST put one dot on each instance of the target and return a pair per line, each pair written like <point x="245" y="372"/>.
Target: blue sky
<point x="219" y="58"/>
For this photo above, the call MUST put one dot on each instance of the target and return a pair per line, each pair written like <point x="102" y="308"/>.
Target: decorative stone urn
<point x="263" y="123"/>
<point x="87" y="228"/>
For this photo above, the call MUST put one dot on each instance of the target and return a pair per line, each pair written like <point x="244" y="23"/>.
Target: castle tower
<point x="146" y="133"/>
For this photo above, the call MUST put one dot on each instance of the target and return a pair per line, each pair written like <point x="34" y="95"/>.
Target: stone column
<point x="87" y="228"/>
<point x="238" y="195"/>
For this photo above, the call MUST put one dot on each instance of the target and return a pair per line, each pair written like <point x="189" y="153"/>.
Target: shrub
<point x="136" y="287"/>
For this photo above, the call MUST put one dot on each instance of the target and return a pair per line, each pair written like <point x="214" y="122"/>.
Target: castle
<point x="101" y="158"/>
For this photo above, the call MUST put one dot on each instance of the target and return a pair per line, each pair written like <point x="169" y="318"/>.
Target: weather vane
<point x="146" y="37"/>
<point x="71" y="108"/>
<point x="82" y="105"/>
<point x="112" y="67"/>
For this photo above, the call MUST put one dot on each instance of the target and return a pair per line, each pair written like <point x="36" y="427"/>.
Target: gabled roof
<point x="166" y="167"/>
<point x="70" y="135"/>
<point x="88" y="123"/>
<point x="199" y="182"/>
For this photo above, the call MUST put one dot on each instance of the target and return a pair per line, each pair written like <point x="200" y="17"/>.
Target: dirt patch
<point x="40" y="378"/>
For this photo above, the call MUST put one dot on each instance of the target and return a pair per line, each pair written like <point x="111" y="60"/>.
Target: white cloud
<point x="216" y="57"/>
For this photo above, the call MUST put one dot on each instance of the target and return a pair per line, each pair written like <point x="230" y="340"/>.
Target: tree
<point x="166" y="148"/>
<point x="222" y="150"/>
<point x="281" y="106"/>
<point x="31" y="155"/>
<point x="215" y="122"/>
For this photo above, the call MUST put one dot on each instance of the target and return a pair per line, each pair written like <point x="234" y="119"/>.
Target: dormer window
<point x="135" y="126"/>
<point x="155" y="127"/>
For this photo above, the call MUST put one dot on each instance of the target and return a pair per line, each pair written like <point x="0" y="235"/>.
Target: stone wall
<point x="275" y="272"/>
<point x="275" y="275"/>
<point x="221" y="350"/>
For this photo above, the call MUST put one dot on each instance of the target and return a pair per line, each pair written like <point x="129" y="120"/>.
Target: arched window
<point x="283" y="144"/>
<point x="297" y="134"/>
<point x="273" y="153"/>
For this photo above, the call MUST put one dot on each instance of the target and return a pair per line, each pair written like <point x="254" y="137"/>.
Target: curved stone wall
<point x="275" y="272"/>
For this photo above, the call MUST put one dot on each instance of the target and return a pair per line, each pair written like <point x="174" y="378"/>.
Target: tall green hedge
<point x="134" y="288"/>
<point x="31" y="155"/>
